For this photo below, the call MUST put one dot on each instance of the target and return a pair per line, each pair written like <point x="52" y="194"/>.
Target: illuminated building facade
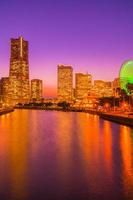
<point x="36" y="89"/>
<point x="102" y="89"/>
<point x="83" y="84"/>
<point x="65" y="83"/>
<point x="108" y="84"/>
<point x="19" y="89"/>
<point x="4" y="87"/>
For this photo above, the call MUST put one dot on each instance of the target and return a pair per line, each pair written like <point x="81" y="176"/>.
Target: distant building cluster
<point x="85" y="87"/>
<point x="17" y="88"/>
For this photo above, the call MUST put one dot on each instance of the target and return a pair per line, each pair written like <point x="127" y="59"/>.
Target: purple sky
<point x="93" y="36"/>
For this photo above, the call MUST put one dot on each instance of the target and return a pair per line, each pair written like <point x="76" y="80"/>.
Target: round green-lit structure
<point x="126" y="75"/>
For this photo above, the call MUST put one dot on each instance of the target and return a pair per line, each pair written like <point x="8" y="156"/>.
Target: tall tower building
<point x="83" y="84"/>
<point x="65" y="83"/>
<point x="36" y="89"/>
<point x="19" y="89"/>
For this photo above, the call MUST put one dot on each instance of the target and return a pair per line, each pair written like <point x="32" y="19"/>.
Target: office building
<point x="65" y="83"/>
<point x="36" y="89"/>
<point x="83" y="84"/>
<point x="102" y="89"/>
<point x="19" y="89"/>
<point x="4" y="87"/>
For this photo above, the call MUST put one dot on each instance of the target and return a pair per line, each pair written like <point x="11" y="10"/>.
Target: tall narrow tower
<point x="19" y="90"/>
<point x="36" y="89"/>
<point x="65" y="83"/>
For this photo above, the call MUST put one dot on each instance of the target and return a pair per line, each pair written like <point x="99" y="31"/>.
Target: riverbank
<point x="6" y="111"/>
<point x="38" y="108"/>
<point x="59" y="109"/>
<point x="118" y="118"/>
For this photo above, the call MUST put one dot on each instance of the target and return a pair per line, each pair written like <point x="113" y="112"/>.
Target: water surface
<point x="65" y="156"/>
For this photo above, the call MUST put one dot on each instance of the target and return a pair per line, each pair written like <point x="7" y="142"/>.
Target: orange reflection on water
<point x="34" y="134"/>
<point x="126" y="143"/>
<point x="89" y="137"/>
<point x="64" y="143"/>
<point x="90" y="147"/>
<point x="16" y="153"/>
<point x="4" y="143"/>
<point x="107" y="146"/>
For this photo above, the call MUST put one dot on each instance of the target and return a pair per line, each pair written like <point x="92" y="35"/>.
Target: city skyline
<point x="87" y="35"/>
<point x="19" y="48"/>
<point x="66" y="99"/>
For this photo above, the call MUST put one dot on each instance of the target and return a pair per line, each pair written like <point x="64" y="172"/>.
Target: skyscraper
<point x="83" y="84"/>
<point x="19" y="90"/>
<point x="36" y="89"/>
<point x="65" y="82"/>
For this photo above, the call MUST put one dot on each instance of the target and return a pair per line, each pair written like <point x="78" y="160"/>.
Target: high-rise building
<point x="65" y="82"/>
<point x="4" y="85"/>
<point x="36" y="89"/>
<point x="19" y="89"/>
<point x="83" y="84"/>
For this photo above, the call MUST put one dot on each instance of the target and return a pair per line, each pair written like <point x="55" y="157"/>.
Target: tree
<point x="112" y="101"/>
<point x="65" y="105"/>
<point x="48" y="104"/>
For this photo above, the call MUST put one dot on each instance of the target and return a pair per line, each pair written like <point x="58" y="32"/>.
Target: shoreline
<point x="6" y="111"/>
<point x="59" y="109"/>
<point x="118" y="118"/>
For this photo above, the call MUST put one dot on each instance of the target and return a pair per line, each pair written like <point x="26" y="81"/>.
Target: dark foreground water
<point x="66" y="156"/>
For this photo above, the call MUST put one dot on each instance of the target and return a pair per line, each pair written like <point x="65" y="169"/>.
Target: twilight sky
<point x="93" y="36"/>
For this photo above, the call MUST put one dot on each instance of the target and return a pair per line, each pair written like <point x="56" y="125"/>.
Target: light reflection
<point x="64" y="137"/>
<point x="89" y="137"/>
<point x="107" y="137"/>
<point x="16" y="144"/>
<point x="126" y="143"/>
<point x="34" y="134"/>
<point x="90" y="149"/>
<point x="66" y="151"/>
